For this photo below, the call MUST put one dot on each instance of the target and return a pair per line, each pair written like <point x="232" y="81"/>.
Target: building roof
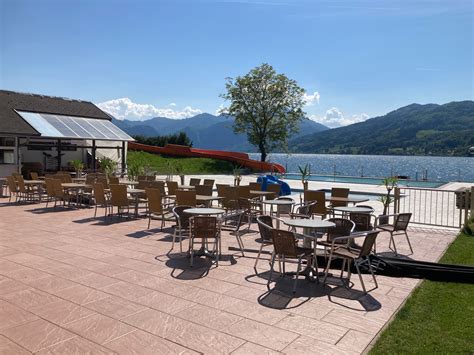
<point x="12" y="123"/>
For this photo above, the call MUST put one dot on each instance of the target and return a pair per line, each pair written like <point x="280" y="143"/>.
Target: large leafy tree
<point x="266" y="106"/>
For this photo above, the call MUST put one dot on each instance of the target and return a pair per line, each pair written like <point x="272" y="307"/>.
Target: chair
<point x="230" y="200"/>
<point x="255" y="186"/>
<point x="357" y="256"/>
<point x="24" y="192"/>
<point x="303" y="210"/>
<point x="265" y="227"/>
<point x="182" y="224"/>
<point x="60" y="194"/>
<point x="172" y="187"/>
<point x="285" y="247"/>
<point x="34" y="175"/>
<point x="339" y="192"/>
<point x="187" y="198"/>
<point x="204" y="190"/>
<point x="114" y="180"/>
<point x="156" y="209"/>
<point x="12" y="186"/>
<point x="119" y="198"/>
<point x="251" y="209"/>
<point x="343" y="228"/>
<point x="205" y="229"/>
<point x="399" y="226"/>
<point x="209" y="182"/>
<point x="362" y="221"/>
<point x="194" y="181"/>
<point x="320" y="198"/>
<point x="100" y="199"/>
<point x="285" y="209"/>
<point x="275" y="188"/>
<point x="243" y="191"/>
<point x="50" y="193"/>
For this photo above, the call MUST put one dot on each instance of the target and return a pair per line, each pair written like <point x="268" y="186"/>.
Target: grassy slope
<point x="160" y="163"/>
<point x="439" y="316"/>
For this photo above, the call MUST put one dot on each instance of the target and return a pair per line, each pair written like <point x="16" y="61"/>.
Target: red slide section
<point x="185" y="151"/>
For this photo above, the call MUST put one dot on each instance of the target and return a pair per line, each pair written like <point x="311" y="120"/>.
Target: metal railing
<point x="433" y="207"/>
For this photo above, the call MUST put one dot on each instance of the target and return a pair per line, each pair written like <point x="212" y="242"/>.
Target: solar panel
<point x="59" y="126"/>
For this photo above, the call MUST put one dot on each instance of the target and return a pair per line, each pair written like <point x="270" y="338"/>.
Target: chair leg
<point x="95" y="213"/>
<point x="408" y="240"/>
<point x="392" y="241"/>
<point x="191" y="251"/>
<point x="174" y="238"/>
<point x="149" y="220"/>
<point x="298" y="268"/>
<point x="360" y="276"/>
<point x="258" y="258"/>
<point x="372" y="272"/>
<point x="271" y="271"/>
<point x="327" y="267"/>
<point x="343" y="266"/>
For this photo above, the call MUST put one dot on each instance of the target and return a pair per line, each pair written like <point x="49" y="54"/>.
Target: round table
<point x="205" y="211"/>
<point x="278" y="203"/>
<point x="353" y="209"/>
<point x="308" y="225"/>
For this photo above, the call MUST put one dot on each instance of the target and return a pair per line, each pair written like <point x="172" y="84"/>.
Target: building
<point x="45" y="133"/>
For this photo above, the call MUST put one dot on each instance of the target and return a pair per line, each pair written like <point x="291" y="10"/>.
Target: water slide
<point x="185" y="151"/>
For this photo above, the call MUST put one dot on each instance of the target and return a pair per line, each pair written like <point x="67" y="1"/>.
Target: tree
<point x="266" y="106"/>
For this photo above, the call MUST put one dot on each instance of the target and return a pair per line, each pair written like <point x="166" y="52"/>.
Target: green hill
<point x="411" y="130"/>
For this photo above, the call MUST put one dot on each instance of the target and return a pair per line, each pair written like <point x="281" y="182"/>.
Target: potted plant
<point x="108" y="166"/>
<point x="78" y="166"/>
<point x="134" y="169"/>
<point x="305" y="172"/>
<point x="390" y="183"/>
<point x="180" y="172"/>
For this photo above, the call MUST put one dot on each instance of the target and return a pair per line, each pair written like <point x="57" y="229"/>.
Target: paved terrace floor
<point x="70" y="283"/>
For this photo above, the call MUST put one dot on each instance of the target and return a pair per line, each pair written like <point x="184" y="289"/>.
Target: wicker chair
<point x="12" y="187"/>
<point x="275" y="188"/>
<point x="172" y="188"/>
<point x="303" y="210"/>
<point x="320" y="198"/>
<point x="286" y="247"/>
<point x="187" y="198"/>
<point x="100" y="199"/>
<point x="339" y="192"/>
<point x="156" y="209"/>
<point x="119" y="198"/>
<point x="205" y="229"/>
<point x="343" y="228"/>
<point x="358" y="256"/>
<point x="255" y="186"/>
<point x="209" y="182"/>
<point x="362" y="221"/>
<point x="265" y="227"/>
<point x="230" y="200"/>
<point x="399" y="226"/>
<point x="243" y="191"/>
<point x="114" y="180"/>
<point x="182" y="224"/>
<point x="194" y="181"/>
<point x="204" y="190"/>
<point x="34" y="175"/>
<point x="284" y="209"/>
<point x="251" y="209"/>
<point x="60" y="194"/>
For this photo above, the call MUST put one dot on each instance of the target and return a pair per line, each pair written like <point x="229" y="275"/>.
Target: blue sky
<point x="141" y="58"/>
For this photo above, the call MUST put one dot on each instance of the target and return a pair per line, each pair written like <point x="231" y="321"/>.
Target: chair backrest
<point x="194" y="181"/>
<point x="49" y="187"/>
<point x="12" y="184"/>
<point x="401" y="221"/>
<point x="339" y="192"/>
<point x="155" y="204"/>
<point x="265" y="226"/>
<point x="114" y="180"/>
<point x="143" y="184"/>
<point x="284" y="243"/>
<point x="255" y="186"/>
<point x="58" y="187"/>
<point x="99" y="194"/>
<point x="320" y="198"/>
<point x="65" y="177"/>
<point x="102" y="179"/>
<point x="203" y="227"/>
<point x="90" y="179"/>
<point x="16" y="175"/>
<point x="361" y="221"/>
<point x="182" y="218"/>
<point x="221" y="189"/>
<point x="21" y="184"/>
<point x="118" y="195"/>
<point x="205" y="190"/>
<point x="243" y="191"/>
<point x="306" y="209"/>
<point x="343" y="227"/>
<point x="275" y="188"/>
<point x="34" y="175"/>
<point x="187" y="198"/>
<point x="151" y="178"/>
<point x="172" y="187"/>
<point x="160" y="185"/>
<point x="209" y="182"/>
<point x="142" y="178"/>
<point x="230" y="195"/>
<point x="368" y="243"/>
<point x="285" y="209"/>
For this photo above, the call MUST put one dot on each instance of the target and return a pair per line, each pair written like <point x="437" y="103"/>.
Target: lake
<point x="434" y="168"/>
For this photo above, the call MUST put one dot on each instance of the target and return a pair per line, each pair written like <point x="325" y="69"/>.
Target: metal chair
<point x="182" y="224"/>
<point x="156" y="209"/>
<point x="399" y="226"/>
<point x="194" y="181"/>
<point x="205" y="229"/>
<point x="100" y="199"/>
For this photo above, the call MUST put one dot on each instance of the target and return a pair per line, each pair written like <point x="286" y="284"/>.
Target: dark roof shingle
<point x="12" y="123"/>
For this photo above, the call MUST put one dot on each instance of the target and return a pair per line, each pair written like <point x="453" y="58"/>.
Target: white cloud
<point x="335" y="118"/>
<point x="311" y="99"/>
<point x="172" y="104"/>
<point x="125" y="108"/>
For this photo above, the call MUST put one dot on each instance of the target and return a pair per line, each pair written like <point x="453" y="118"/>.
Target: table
<point x="206" y="212"/>
<point x="3" y="183"/>
<point x="186" y="187"/>
<point x="261" y="194"/>
<point x="353" y="209"/>
<point x="207" y="200"/>
<point x="278" y="203"/>
<point x="308" y="225"/>
<point x="75" y="186"/>
<point x="353" y="200"/>
<point x="128" y="182"/>
<point x="136" y="194"/>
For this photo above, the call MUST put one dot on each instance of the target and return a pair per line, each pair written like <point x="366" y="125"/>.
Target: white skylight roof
<point x="71" y="127"/>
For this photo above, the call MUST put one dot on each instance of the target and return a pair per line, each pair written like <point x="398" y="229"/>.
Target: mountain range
<point x="415" y="129"/>
<point x="205" y="130"/>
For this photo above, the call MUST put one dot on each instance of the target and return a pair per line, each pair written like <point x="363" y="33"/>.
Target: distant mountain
<point x="205" y="130"/>
<point x="411" y="130"/>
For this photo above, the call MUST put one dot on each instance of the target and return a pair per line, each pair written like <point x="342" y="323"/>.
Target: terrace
<point x="70" y="282"/>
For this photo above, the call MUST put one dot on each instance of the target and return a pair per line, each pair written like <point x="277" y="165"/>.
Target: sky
<point x="139" y="59"/>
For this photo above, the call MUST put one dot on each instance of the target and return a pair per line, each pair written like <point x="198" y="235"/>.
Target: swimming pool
<point x="364" y="180"/>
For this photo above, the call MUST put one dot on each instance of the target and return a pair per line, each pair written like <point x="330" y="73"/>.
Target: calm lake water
<point x="436" y="168"/>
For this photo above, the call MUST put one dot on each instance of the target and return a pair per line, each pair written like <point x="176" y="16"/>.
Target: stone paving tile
<point x="253" y="349"/>
<point x="8" y="347"/>
<point x="98" y="328"/>
<point x="37" y="335"/>
<point x="115" y="284"/>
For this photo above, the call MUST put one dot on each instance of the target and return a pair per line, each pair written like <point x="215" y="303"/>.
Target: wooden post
<point x="94" y="163"/>
<point x="123" y="158"/>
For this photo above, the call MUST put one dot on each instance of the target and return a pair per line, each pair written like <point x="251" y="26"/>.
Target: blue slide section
<point x="270" y="179"/>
